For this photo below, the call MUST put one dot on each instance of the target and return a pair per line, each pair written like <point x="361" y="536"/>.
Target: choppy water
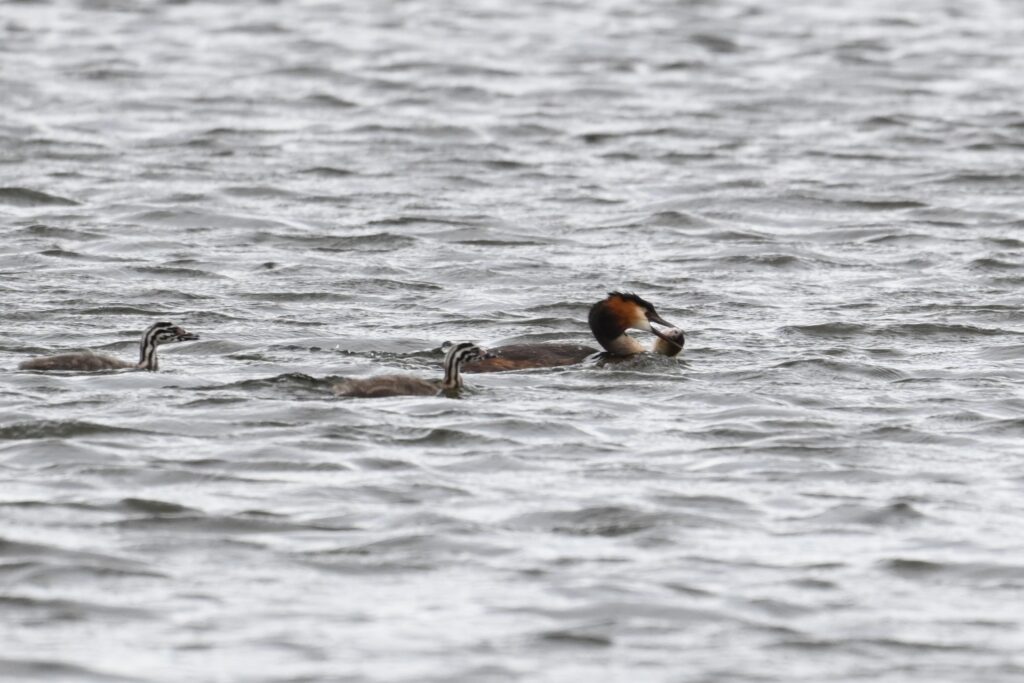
<point x="826" y="196"/>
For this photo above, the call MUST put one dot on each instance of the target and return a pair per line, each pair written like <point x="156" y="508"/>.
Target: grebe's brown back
<point x="403" y="385"/>
<point x="526" y="356"/>
<point x="87" y="361"/>
<point x="609" y="319"/>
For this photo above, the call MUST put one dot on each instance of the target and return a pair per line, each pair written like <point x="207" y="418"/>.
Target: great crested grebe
<point x="609" y="319"/>
<point x="87" y="361"/>
<point x="403" y="385"/>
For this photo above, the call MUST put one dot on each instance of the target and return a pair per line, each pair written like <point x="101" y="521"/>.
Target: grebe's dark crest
<point x="157" y="334"/>
<point x="609" y="319"/>
<point x="403" y="385"/>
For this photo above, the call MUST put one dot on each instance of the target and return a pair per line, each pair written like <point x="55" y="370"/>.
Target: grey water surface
<point x="828" y="485"/>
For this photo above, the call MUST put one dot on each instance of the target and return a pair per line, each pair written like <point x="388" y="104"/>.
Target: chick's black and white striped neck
<point x="87" y="361"/>
<point x="404" y="385"/>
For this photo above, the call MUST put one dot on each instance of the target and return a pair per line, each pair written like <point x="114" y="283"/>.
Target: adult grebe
<point x="609" y="319"/>
<point x="87" y="361"/>
<point x="403" y="385"/>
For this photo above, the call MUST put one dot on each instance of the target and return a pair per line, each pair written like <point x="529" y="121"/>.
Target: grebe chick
<point x="669" y="348"/>
<point x="403" y="385"/>
<point x="87" y="361"/>
<point x="671" y="344"/>
<point x="608" y="319"/>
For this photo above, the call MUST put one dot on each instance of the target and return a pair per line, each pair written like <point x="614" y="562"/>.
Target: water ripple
<point x="823" y="486"/>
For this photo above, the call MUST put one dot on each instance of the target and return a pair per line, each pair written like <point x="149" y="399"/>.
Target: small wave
<point x="379" y="241"/>
<point x="20" y="196"/>
<point x="403" y="553"/>
<point x="59" y="429"/>
<point x="297" y="296"/>
<point x="490" y="463"/>
<point x="258" y="191"/>
<point x="177" y="272"/>
<point x="1002" y="353"/>
<point x="291" y="384"/>
<point x="155" y="507"/>
<point x="782" y="261"/>
<point x="436" y="437"/>
<point x="49" y="574"/>
<point x="953" y="331"/>
<point x="596" y="521"/>
<point x="894" y="514"/>
<point x="596" y="137"/>
<point x="968" y="573"/>
<point x="507" y="165"/>
<point x="67" y="254"/>
<point x="377" y="285"/>
<point x="168" y="294"/>
<point x="194" y="218"/>
<point x="991" y="263"/>
<point x="310" y="71"/>
<point x="883" y="204"/>
<point x="208" y="524"/>
<point x="328" y="172"/>
<point x="450" y="133"/>
<point x="833" y="330"/>
<point x="718" y="44"/>
<point x="118" y="309"/>
<point x="527" y="131"/>
<point x="41" y="230"/>
<point x="1013" y="180"/>
<point x="414" y="543"/>
<point x="382" y="464"/>
<point x="1007" y="242"/>
<point x="726" y="504"/>
<point x="109" y="73"/>
<point x="905" y="238"/>
<point x="408" y="219"/>
<point x="644" y="363"/>
<point x="328" y="100"/>
<point x="473" y="235"/>
<point x="1012" y="426"/>
<point x="843" y="369"/>
<point x="579" y="636"/>
<point x="57" y="609"/>
<point x="258" y="28"/>
<point x="677" y="219"/>
<point x="40" y="671"/>
<point x="447" y="68"/>
<point x="846" y="330"/>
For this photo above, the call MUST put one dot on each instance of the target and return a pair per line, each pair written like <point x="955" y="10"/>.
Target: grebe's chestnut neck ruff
<point x="157" y="334"/>
<point x="403" y="385"/>
<point x="609" y="319"/>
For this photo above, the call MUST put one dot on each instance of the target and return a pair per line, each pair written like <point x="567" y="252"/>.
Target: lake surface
<point x="827" y="485"/>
